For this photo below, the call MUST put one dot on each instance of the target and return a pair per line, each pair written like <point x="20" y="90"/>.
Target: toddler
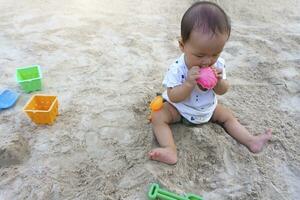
<point x="205" y="28"/>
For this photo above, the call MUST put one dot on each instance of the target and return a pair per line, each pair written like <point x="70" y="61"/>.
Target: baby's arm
<point x="181" y="92"/>
<point x="222" y="84"/>
<point x="221" y="87"/>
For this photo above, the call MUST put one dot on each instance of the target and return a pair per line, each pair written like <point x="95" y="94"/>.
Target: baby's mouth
<point x="203" y="66"/>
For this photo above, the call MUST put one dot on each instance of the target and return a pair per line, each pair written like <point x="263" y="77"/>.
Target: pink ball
<point x="207" y="78"/>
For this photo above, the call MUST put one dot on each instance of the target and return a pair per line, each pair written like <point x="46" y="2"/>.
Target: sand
<point x="105" y="61"/>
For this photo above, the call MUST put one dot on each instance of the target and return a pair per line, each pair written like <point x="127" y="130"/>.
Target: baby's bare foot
<point x="167" y="155"/>
<point x="259" y="141"/>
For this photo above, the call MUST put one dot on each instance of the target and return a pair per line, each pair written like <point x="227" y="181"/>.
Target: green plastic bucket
<point x="30" y="78"/>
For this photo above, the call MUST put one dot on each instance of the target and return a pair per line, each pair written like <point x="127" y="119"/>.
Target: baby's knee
<point x="228" y="117"/>
<point x="157" y="117"/>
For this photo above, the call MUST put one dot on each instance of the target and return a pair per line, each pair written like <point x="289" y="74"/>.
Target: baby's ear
<point x="181" y="44"/>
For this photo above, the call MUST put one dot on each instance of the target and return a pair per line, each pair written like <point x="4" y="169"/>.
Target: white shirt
<point x="200" y="105"/>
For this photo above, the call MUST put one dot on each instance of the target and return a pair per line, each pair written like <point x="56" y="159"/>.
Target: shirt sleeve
<point x="220" y="64"/>
<point x="173" y="77"/>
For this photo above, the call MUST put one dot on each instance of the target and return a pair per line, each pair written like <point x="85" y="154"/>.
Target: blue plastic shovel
<point x="7" y="98"/>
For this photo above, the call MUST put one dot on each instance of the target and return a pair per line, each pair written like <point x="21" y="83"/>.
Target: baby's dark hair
<point x="207" y="17"/>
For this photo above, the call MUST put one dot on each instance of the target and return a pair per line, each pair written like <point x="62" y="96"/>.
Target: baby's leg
<point x="160" y="120"/>
<point x="224" y="117"/>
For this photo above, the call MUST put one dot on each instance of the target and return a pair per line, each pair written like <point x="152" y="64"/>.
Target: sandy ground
<point x="105" y="61"/>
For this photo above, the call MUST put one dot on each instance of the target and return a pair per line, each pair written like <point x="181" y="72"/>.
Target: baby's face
<point x="203" y="49"/>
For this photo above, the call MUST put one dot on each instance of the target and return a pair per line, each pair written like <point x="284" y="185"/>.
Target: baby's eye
<point x="200" y="56"/>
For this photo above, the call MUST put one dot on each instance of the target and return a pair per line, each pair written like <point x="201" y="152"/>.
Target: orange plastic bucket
<point x="42" y="109"/>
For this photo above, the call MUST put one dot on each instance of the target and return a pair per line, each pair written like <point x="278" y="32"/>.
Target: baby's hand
<point x="218" y="72"/>
<point x="193" y="75"/>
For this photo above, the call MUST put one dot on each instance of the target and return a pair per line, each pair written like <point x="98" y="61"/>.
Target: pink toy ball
<point x="207" y="78"/>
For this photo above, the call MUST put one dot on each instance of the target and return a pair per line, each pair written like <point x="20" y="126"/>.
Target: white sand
<point x="105" y="61"/>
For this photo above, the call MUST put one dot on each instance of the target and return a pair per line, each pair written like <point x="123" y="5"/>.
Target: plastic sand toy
<point x="42" y="109"/>
<point x="207" y="79"/>
<point x="155" y="105"/>
<point x="7" y="98"/>
<point x="156" y="193"/>
<point x="30" y="78"/>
